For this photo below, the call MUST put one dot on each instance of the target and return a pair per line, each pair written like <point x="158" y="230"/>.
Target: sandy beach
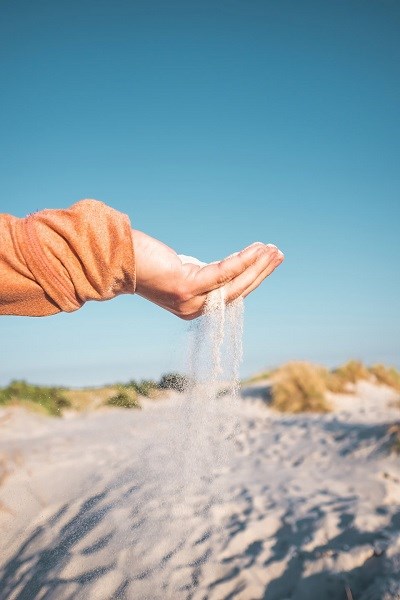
<point x="182" y="501"/>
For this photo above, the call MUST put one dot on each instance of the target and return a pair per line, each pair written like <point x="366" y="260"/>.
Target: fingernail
<point x="280" y="253"/>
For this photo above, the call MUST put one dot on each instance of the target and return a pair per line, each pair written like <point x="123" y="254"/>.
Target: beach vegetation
<point x="144" y="387"/>
<point x="124" y="399"/>
<point x="299" y="387"/>
<point x="89" y="398"/>
<point x="351" y="372"/>
<point x="174" y="381"/>
<point x="386" y="375"/>
<point x="335" y="383"/>
<point x="49" y="400"/>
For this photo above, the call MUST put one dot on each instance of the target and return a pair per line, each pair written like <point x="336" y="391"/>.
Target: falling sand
<point x="215" y="345"/>
<point x="214" y="354"/>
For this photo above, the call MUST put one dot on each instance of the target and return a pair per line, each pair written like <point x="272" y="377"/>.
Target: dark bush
<point x="174" y="381"/>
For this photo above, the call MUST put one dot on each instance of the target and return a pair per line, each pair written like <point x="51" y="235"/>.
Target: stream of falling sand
<point x="214" y="356"/>
<point x="195" y="450"/>
<point x="215" y="344"/>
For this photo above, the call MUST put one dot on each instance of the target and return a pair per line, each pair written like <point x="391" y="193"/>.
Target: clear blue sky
<point x="212" y="124"/>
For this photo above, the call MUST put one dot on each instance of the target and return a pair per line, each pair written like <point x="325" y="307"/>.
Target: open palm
<point x="162" y="278"/>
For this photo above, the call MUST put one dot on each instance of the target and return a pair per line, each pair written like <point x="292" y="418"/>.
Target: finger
<point x="252" y="277"/>
<point x="258" y="281"/>
<point x="239" y="288"/>
<point x="216" y="275"/>
<point x="236" y="288"/>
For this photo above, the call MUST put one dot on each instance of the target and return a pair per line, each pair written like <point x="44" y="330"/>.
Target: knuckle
<point x="183" y="302"/>
<point x="182" y="294"/>
<point x="224" y="274"/>
<point x="260" y="245"/>
<point x="275" y="254"/>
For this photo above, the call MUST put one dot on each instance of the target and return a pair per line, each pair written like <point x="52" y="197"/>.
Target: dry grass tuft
<point x="342" y="379"/>
<point x="88" y="399"/>
<point x="336" y="383"/>
<point x="351" y="372"/>
<point x="300" y="387"/>
<point x="386" y="375"/>
<point x="91" y="398"/>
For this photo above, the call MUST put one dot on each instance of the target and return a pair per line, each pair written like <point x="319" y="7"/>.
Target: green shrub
<point x="124" y="400"/>
<point x="51" y="399"/>
<point x="387" y="375"/>
<point x="145" y="387"/>
<point x="299" y="387"/>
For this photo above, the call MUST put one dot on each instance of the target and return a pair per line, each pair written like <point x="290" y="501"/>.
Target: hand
<point x="182" y="288"/>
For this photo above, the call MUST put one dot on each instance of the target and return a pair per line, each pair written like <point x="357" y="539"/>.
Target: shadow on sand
<point x="36" y="568"/>
<point x="31" y="572"/>
<point x="257" y="392"/>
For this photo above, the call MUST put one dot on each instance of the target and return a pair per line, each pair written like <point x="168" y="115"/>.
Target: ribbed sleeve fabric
<point x="56" y="260"/>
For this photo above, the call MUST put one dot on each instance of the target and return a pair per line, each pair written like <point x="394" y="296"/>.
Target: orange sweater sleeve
<point x="56" y="260"/>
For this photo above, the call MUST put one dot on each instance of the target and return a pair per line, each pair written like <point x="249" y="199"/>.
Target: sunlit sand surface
<point x="244" y="503"/>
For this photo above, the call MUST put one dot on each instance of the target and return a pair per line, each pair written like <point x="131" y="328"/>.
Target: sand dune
<point x="179" y="501"/>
